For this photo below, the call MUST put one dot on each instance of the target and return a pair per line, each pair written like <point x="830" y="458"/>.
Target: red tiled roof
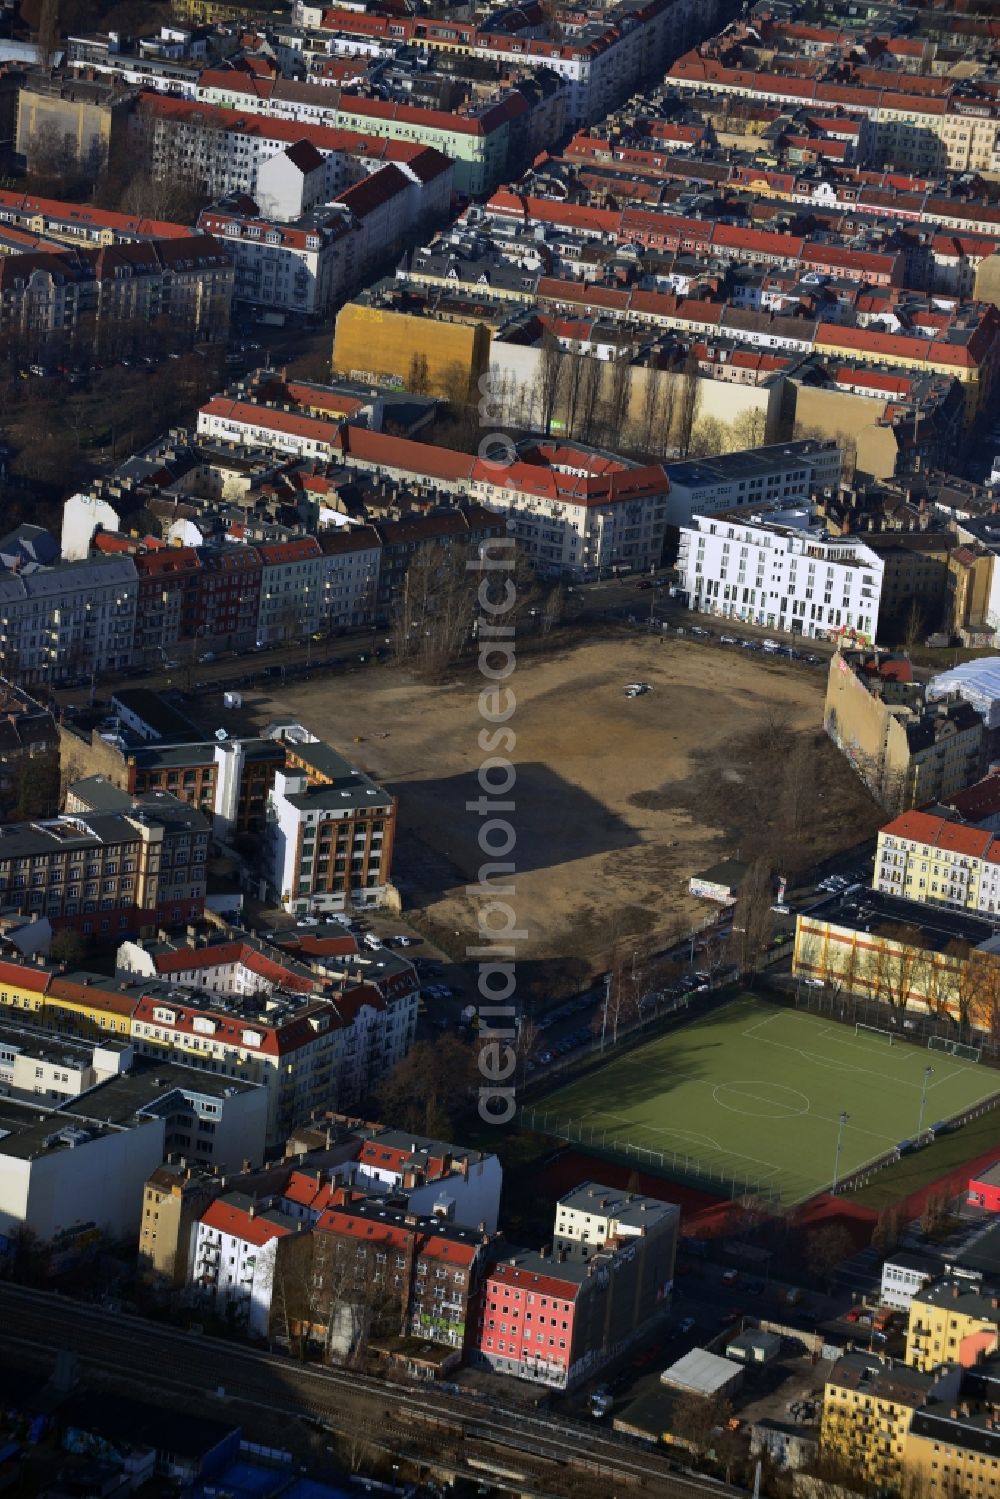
<point x="341" y="1220"/>
<point x="300" y="550"/>
<point x="245" y="413"/>
<point x="239" y="1224"/>
<point x="308" y="1191"/>
<point x="102" y="998"/>
<point x="21" y="976"/>
<point x="544" y="1284"/>
<point x="221" y="954"/>
<point x="938" y="832"/>
<point x="979" y="800"/>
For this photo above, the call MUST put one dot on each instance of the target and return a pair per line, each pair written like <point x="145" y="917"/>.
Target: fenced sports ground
<point x="749" y="1098"/>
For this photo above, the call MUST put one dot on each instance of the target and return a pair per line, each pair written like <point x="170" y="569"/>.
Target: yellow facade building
<point x="410" y="347"/>
<point x="867" y="1406"/>
<point x="907" y="751"/>
<point x="951" y="1321"/>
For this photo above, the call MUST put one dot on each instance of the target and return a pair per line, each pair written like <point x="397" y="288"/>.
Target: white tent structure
<point x="977" y="682"/>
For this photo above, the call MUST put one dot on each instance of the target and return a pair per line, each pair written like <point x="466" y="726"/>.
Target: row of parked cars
<point x="561" y="1048"/>
<point x="765" y="647"/>
<point x="571" y="1007"/>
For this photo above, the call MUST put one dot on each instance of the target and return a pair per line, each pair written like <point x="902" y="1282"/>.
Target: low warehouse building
<point x="754" y="1348"/>
<point x="702" y="1373"/>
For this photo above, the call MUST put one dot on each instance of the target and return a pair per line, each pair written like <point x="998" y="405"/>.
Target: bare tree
<point x="687" y="406"/>
<point x="708" y="439"/>
<point x="826" y="1248"/>
<point x="618" y="385"/>
<point x="589" y="399"/>
<point x="576" y="362"/>
<point x="749" y="429"/>
<point x="417" y="378"/>
<point x="435" y="610"/>
<point x="752" y="919"/>
<point x="48" y="31"/>
<point x="657" y="413"/>
<point x="694" y="1418"/>
<point x="550" y="366"/>
<point x="914" y="625"/>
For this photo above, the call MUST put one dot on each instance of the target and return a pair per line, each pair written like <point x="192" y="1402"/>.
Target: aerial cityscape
<point x="500" y="749"/>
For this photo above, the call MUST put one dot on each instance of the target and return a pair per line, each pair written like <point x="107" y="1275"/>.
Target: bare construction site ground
<point x="618" y="800"/>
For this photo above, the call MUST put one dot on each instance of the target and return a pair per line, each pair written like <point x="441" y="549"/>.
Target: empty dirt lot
<point x="610" y="817"/>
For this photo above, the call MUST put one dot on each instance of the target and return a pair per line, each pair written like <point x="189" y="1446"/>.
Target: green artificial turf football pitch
<point x="749" y="1098"/>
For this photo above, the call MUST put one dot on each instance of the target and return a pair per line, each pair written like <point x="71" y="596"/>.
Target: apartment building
<point x="936" y="1431"/>
<point x="352" y="563"/>
<point x="911" y="128"/>
<point x="68" y="621"/>
<point x="466" y="526"/>
<point x="109" y="873"/>
<point x="168" y="582"/>
<point x="259" y="157"/>
<point x="296" y="267"/>
<point x="94" y="303"/>
<point x="762" y="477"/>
<point x="91" y="114"/>
<point x="435" y="1176"/>
<point x="312" y="1044"/>
<point x="310" y="1052"/>
<point x="868" y="1404"/>
<point x="554" y="1316"/>
<point x="174" y="1198"/>
<point x="601" y="58"/>
<point x="475" y="137"/>
<point x="574" y="512"/>
<point x="954" y="1320"/>
<point x="27" y="732"/>
<point x="934" y="859"/>
<point x="330" y="828"/>
<point x="777" y="568"/>
<point x="228" y="603"/>
<point x="37" y="1069"/>
<point x="86" y="1163"/>
<point x="241" y="1249"/>
<point x="908" y="751"/>
<point x="409" y="1274"/>
<point x="292" y="590"/>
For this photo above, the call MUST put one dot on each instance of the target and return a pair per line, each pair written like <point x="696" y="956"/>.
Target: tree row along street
<point x="557" y="1457"/>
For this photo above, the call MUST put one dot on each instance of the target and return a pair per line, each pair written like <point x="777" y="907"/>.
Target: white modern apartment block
<point x="777" y="569"/>
<point x="777" y="475"/>
<point x="87" y="1161"/>
<point x="40" y="1070"/>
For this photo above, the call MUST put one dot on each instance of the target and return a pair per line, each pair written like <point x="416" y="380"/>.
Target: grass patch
<point x="946" y="1154"/>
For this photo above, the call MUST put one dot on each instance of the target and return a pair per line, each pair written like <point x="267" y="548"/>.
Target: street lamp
<point x="607" y="1001"/>
<point x="844" y="1116"/>
<point x="928" y="1074"/>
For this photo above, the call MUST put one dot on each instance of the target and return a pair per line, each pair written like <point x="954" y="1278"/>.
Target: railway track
<point x="540" y="1448"/>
